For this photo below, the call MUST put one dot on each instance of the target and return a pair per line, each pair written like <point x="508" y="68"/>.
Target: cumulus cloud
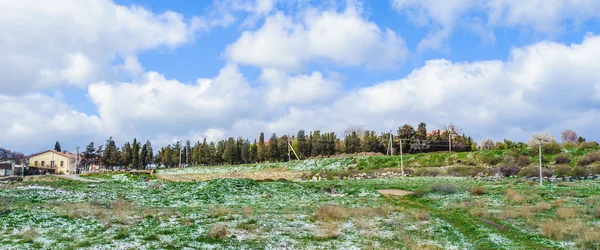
<point x="283" y="89"/>
<point x="38" y="120"/>
<point x="344" y="38"/>
<point x="539" y="16"/>
<point x="50" y="43"/>
<point x="154" y="104"/>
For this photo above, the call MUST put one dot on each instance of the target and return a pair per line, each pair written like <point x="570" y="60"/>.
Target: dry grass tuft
<point x="479" y="212"/>
<point x="558" y="203"/>
<point x="329" y="213"/>
<point x="566" y="212"/>
<point x="478" y="191"/>
<point x="543" y="207"/>
<point x="514" y="196"/>
<point x="514" y="212"/>
<point x="595" y="212"/>
<point x="420" y="215"/>
<point x="218" y="232"/>
<point x="219" y="211"/>
<point x="248" y="211"/>
<point x="328" y="231"/>
<point x="559" y="230"/>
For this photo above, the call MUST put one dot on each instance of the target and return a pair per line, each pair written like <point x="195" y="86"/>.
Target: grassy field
<point x="443" y="213"/>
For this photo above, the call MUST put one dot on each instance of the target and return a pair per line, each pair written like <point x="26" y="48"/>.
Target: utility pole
<point x="187" y="157"/>
<point x="77" y="161"/>
<point x="390" y="144"/>
<point x="540" y="151"/>
<point x="401" y="161"/>
<point x="289" y="148"/>
<point x="180" y="154"/>
<point x="450" y="138"/>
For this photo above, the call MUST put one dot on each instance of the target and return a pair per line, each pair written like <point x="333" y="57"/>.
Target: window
<point x="51" y="164"/>
<point x="62" y="163"/>
<point x="42" y="163"/>
<point x="35" y="164"/>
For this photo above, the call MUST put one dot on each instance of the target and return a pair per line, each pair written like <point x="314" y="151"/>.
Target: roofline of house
<point x="54" y="151"/>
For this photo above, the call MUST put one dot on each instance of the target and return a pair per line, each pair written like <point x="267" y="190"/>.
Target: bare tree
<point x="487" y="144"/>
<point x="419" y="145"/>
<point x="540" y="138"/>
<point x="359" y="129"/>
<point x="568" y="136"/>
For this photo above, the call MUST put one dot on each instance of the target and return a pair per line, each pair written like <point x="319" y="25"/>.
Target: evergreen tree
<point x="262" y="149"/>
<point x="126" y="155"/>
<point x="90" y="155"/>
<point x="144" y="157"/>
<point x="316" y="144"/>
<point x="135" y="154"/>
<point x="273" y="148"/>
<point x="352" y="143"/>
<point x="111" y="155"/>
<point x="229" y="151"/>
<point x="370" y="142"/>
<point x="421" y="131"/>
<point x="210" y="152"/>
<point x="253" y="152"/>
<point x="175" y="154"/>
<point x="406" y="133"/>
<point x="283" y="148"/>
<point x="219" y="152"/>
<point x="57" y="147"/>
<point x="245" y="154"/>
<point x="302" y="145"/>
<point x="149" y="153"/>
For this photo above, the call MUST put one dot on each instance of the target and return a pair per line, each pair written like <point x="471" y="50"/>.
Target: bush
<point x="490" y="160"/>
<point x="588" y="145"/>
<point x="551" y="148"/>
<point x="425" y="172"/>
<point x="589" y="159"/>
<point x="561" y="171"/>
<point x="529" y="172"/>
<point x="444" y="188"/>
<point x="478" y="191"/>
<point x="509" y="170"/>
<point x="562" y="158"/>
<point x="579" y="171"/>
<point x="464" y="170"/>
<point x="516" y="161"/>
<point x="569" y="145"/>
<point x="218" y="232"/>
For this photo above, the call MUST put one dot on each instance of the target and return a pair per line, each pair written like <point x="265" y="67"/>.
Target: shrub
<point x="566" y="212"/>
<point x="478" y="191"/>
<point x="529" y="172"/>
<point x="464" y="170"/>
<point x="420" y="215"/>
<point x="561" y="171"/>
<point x="219" y="211"/>
<point x="328" y="231"/>
<point x="425" y="172"/>
<point x="562" y="158"/>
<point x="543" y="207"/>
<point x="589" y="159"/>
<point x="588" y="145"/>
<point x="444" y="188"/>
<point x="479" y="212"/>
<point x="514" y="196"/>
<point x="579" y="171"/>
<point x="490" y="160"/>
<point x="218" y="232"/>
<point x="330" y="213"/>
<point x="551" y="148"/>
<point x="596" y="212"/>
<point x="509" y="170"/>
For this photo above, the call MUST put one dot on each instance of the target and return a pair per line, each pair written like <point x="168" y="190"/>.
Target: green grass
<point x="170" y="215"/>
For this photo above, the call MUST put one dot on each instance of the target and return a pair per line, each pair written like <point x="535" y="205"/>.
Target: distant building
<point x="53" y="162"/>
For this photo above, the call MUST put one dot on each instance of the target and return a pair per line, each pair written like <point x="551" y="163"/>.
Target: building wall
<point x="51" y="160"/>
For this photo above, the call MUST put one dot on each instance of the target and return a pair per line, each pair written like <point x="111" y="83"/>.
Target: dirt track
<point x="394" y="192"/>
<point x="261" y="175"/>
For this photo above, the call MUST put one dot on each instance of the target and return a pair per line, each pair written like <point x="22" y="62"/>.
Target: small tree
<point x="568" y="136"/>
<point x="540" y="138"/>
<point x="487" y="144"/>
<point x="57" y="147"/>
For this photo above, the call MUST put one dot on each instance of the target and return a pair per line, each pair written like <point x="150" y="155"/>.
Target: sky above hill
<point x="81" y="71"/>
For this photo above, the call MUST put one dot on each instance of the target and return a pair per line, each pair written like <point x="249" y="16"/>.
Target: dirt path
<point x="76" y="178"/>
<point x="395" y="192"/>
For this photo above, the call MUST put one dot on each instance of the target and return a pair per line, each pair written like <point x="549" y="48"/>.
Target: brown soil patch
<point x="394" y="192"/>
<point x="493" y="224"/>
<point x="258" y="176"/>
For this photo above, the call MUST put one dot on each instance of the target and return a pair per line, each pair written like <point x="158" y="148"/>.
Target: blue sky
<point x="166" y="71"/>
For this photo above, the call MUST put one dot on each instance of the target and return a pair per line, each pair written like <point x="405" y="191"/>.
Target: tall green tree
<point x="253" y="152"/>
<point x="262" y="149"/>
<point x="126" y="155"/>
<point x="303" y="147"/>
<point x="229" y="151"/>
<point x="352" y="142"/>
<point x="273" y="148"/>
<point x="111" y="155"/>
<point x="283" y="148"/>
<point x="316" y="144"/>
<point x="143" y="157"/>
<point x="57" y="147"/>
<point x="245" y="154"/>
<point x="149" y="153"/>
<point x="135" y="154"/>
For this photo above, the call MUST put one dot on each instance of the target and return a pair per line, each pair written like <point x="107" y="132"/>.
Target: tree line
<point x="312" y="144"/>
<point x="131" y="155"/>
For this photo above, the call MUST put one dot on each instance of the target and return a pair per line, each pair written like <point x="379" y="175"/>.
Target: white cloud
<point x="154" y="104"/>
<point x="283" y="89"/>
<point x="223" y="12"/>
<point x="344" y="38"/>
<point x="539" y="16"/>
<point x="37" y="121"/>
<point x="49" y="43"/>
